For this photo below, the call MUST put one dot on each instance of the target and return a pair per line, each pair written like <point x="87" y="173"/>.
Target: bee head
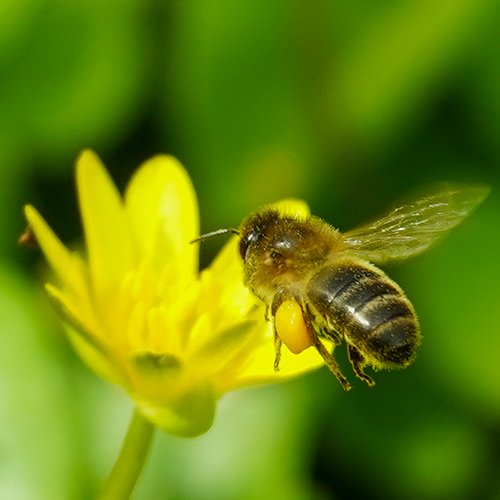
<point x="255" y="229"/>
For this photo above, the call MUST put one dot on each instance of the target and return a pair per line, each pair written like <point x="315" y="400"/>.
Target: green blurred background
<point x="348" y="104"/>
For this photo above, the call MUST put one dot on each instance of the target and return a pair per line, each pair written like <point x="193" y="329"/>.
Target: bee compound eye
<point x="247" y="239"/>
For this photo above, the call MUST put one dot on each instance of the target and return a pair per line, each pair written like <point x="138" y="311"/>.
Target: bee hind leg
<point x="358" y="363"/>
<point x="331" y="335"/>
<point x="331" y="364"/>
<point x="327" y="356"/>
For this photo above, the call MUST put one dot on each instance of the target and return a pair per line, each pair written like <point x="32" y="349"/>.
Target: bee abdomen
<point x="369" y="310"/>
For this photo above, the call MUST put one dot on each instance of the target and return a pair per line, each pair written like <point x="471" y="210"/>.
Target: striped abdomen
<point x="369" y="310"/>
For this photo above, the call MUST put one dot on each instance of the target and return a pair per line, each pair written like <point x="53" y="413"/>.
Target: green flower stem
<point x="123" y="478"/>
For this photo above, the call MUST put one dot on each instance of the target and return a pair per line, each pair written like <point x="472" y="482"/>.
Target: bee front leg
<point x="277" y="349"/>
<point x="278" y="299"/>
<point x="358" y="363"/>
<point x="267" y="314"/>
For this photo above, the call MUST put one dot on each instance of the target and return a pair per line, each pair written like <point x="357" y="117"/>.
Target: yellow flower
<point x="138" y="312"/>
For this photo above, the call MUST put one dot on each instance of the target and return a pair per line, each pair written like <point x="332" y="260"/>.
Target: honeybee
<point x="320" y="283"/>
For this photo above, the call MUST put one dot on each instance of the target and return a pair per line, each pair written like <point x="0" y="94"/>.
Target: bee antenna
<point x="215" y="233"/>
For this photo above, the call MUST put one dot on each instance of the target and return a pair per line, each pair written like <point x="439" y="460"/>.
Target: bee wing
<point x="410" y="229"/>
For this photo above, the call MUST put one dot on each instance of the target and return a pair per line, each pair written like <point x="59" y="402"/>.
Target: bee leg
<point x="279" y="298"/>
<point x="331" y="335"/>
<point x="330" y="362"/>
<point x="268" y="313"/>
<point x="277" y="350"/>
<point x="357" y="362"/>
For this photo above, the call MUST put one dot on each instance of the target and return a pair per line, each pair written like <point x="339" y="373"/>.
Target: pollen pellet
<point x="291" y="327"/>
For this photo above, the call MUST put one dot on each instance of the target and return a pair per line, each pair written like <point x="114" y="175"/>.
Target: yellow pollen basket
<point x="291" y="327"/>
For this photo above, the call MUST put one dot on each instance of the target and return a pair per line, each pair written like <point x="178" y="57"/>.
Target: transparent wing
<point x="411" y="228"/>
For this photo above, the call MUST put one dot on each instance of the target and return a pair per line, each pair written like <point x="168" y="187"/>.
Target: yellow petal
<point x="66" y="265"/>
<point x="227" y="263"/>
<point x="292" y="207"/>
<point x="91" y="348"/>
<point x="261" y="368"/>
<point x="222" y="346"/>
<point x="163" y="211"/>
<point x="108" y="238"/>
<point x="107" y="369"/>
<point x="226" y="276"/>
